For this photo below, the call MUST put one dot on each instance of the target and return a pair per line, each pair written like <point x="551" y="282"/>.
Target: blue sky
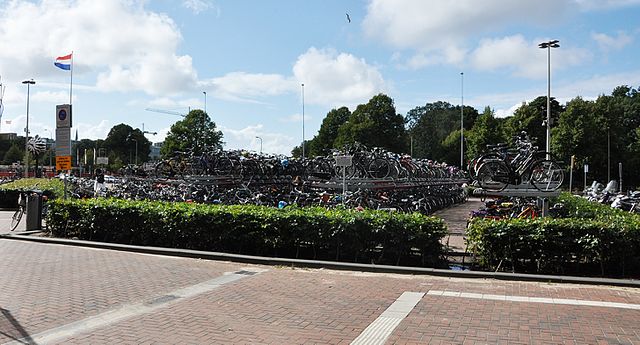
<point x="251" y="58"/>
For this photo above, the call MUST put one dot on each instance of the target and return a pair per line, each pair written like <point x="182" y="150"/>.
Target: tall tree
<point x="531" y="118"/>
<point x="375" y="124"/>
<point x="196" y="133"/>
<point x="322" y="143"/>
<point x="121" y="144"/>
<point x="486" y="130"/>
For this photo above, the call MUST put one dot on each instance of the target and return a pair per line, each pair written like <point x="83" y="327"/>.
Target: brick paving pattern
<point x="44" y="286"/>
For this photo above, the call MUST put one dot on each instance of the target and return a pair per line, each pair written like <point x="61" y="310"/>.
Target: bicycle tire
<point x="15" y="219"/>
<point x="487" y="173"/>
<point x="379" y="168"/>
<point x="546" y="175"/>
<point x="163" y="169"/>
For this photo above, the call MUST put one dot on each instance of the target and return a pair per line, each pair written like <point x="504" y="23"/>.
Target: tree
<point x="322" y="143"/>
<point x="486" y="130"/>
<point x="375" y="124"/>
<point x="14" y="154"/>
<point x="431" y="124"/>
<point x="121" y="146"/>
<point x="531" y="118"/>
<point x="196" y="133"/>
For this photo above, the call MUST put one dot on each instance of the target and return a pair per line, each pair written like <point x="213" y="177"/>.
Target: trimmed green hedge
<point x="595" y="239"/>
<point x="314" y="233"/>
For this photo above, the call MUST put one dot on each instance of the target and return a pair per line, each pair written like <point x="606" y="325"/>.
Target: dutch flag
<point x="64" y="62"/>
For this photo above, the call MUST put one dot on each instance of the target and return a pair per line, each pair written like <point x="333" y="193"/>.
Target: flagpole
<point x="71" y="82"/>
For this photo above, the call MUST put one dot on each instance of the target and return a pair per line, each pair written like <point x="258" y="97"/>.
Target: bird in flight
<point x="348" y="18"/>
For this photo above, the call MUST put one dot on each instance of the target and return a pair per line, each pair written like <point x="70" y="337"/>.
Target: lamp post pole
<point x="260" y="144"/>
<point x="26" y="130"/>
<point x="136" y="150"/>
<point x="462" y="120"/>
<point x="303" y="121"/>
<point x="205" y="100"/>
<point x="548" y="45"/>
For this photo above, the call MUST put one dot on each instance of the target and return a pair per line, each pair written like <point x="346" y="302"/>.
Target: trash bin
<point x="34" y="210"/>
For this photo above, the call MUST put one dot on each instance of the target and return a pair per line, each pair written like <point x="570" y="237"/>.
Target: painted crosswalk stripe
<point x="382" y="327"/>
<point x="526" y="299"/>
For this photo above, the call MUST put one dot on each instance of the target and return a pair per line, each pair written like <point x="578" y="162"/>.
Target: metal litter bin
<point x="34" y="210"/>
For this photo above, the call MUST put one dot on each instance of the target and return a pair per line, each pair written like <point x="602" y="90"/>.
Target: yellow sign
<point x="63" y="163"/>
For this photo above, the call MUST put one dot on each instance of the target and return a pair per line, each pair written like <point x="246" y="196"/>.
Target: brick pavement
<point x="44" y="286"/>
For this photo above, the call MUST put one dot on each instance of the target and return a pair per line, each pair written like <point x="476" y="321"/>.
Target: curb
<point x="346" y="266"/>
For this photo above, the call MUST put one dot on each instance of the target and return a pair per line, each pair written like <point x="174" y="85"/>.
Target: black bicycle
<point x="22" y="208"/>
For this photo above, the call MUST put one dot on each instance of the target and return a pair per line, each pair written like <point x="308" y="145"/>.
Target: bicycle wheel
<point x="493" y="175"/>
<point x="379" y="168"/>
<point x="546" y="175"/>
<point x="163" y="169"/>
<point x="15" y="219"/>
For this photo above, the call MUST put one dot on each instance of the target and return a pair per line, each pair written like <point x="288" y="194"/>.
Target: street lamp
<point x="260" y="144"/>
<point x="49" y="142"/>
<point x="136" y="150"/>
<point x="205" y="101"/>
<point x="26" y="130"/>
<point x="303" y="121"/>
<point x="548" y="45"/>
<point x="462" y="120"/>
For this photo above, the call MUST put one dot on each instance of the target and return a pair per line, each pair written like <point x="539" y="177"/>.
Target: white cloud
<point x="295" y="118"/>
<point x="590" y="5"/>
<point x="131" y="48"/>
<point x="608" y="43"/>
<point x="245" y="138"/>
<point x="427" y="25"/>
<point x="197" y="6"/>
<point x="336" y="79"/>
<point x="330" y="78"/>
<point x="247" y="87"/>
<point x="523" y="58"/>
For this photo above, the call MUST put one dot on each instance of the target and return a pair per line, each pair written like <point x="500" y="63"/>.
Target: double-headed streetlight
<point x="548" y="45"/>
<point x="260" y="144"/>
<point x="26" y="129"/>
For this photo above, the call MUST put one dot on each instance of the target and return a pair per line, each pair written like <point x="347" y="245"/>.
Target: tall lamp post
<point x="26" y="129"/>
<point x="136" y="150"/>
<point x="205" y="100"/>
<point x="303" y="120"/>
<point x="548" y="45"/>
<point x="462" y="120"/>
<point x="49" y="143"/>
<point x="260" y="144"/>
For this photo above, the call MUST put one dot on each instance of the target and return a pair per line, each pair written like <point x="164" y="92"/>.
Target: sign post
<point x="344" y="162"/>
<point x="63" y="141"/>
<point x="586" y="170"/>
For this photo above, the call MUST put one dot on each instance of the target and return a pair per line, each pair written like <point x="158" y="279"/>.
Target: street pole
<point x="462" y="120"/>
<point x="303" y="153"/>
<point x="205" y="101"/>
<point x="608" y="155"/>
<point x="260" y="144"/>
<point x="548" y="45"/>
<point x="26" y="139"/>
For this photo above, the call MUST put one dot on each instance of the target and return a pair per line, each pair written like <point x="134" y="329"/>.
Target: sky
<point x="271" y="68"/>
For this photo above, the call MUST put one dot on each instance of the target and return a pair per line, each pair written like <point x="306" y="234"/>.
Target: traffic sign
<point x="63" y="163"/>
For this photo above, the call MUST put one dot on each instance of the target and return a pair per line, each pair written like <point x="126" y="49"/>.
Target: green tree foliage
<point x="431" y="124"/>
<point x="195" y="133"/>
<point x="13" y="154"/>
<point x="322" y="143"/>
<point x="531" y="118"/>
<point x="121" y="146"/>
<point x="486" y="130"/>
<point x="375" y="124"/>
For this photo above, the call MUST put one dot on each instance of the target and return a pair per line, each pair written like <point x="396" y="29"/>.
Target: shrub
<point x="595" y="239"/>
<point x="314" y="233"/>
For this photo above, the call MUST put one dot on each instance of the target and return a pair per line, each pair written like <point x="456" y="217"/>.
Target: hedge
<point x="314" y="233"/>
<point x="594" y="240"/>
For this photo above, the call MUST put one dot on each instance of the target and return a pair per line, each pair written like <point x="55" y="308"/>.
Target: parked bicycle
<point x="22" y="209"/>
<point x="496" y="172"/>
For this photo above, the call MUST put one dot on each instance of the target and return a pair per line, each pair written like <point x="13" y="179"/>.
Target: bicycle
<point x="22" y="209"/>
